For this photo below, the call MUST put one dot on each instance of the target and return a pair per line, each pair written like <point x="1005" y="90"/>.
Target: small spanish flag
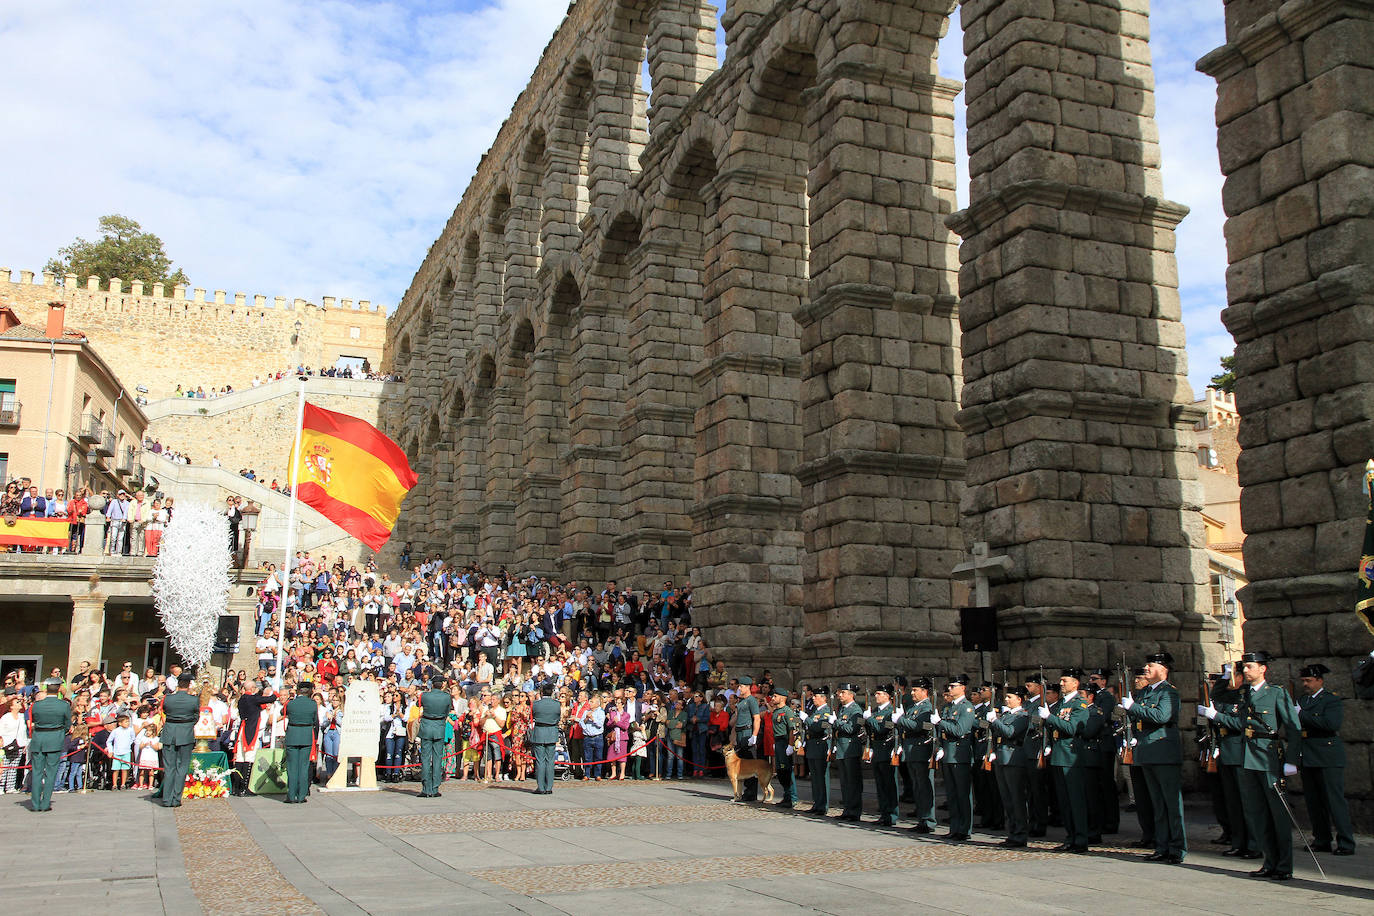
<point x="352" y="474"/>
<point x="34" y="532"/>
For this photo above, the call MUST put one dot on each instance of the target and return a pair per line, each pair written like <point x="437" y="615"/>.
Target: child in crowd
<point x="148" y="756"/>
<point x="639" y="750"/>
<point x="121" y="750"/>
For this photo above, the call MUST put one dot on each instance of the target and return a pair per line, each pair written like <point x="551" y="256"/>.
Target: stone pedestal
<point x="88" y="631"/>
<point x="94" y="543"/>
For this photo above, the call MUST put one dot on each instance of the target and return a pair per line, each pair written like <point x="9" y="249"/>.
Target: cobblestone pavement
<point x="642" y="848"/>
<point x="227" y="869"/>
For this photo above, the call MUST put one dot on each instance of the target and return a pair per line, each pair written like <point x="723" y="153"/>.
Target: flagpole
<point x="291" y="485"/>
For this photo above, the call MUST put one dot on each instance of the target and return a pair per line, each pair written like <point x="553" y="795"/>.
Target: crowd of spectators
<point x="133" y="520"/>
<point x="199" y="392"/>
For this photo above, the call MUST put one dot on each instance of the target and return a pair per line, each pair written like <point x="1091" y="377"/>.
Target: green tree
<point x="1226" y="379"/>
<point x="124" y="251"/>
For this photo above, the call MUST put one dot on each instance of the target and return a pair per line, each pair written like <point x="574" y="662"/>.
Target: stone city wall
<point x="164" y="338"/>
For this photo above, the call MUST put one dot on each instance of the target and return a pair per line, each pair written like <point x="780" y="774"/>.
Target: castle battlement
<point x="179" y="293"/>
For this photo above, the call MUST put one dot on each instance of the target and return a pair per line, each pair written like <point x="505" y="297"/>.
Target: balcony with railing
<point x="92" y="430"/>
<point x="106" y="446"/>
<point x="126" y="460"/>
<point x="9" y="414"/>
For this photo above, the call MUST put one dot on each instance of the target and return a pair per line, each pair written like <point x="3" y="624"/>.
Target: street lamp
<point x="250" y="524"/>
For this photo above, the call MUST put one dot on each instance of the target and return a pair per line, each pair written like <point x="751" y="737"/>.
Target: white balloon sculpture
<point x="191" y="580"/>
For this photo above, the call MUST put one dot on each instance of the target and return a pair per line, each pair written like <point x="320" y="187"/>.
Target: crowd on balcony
<point x="133" y="519"/>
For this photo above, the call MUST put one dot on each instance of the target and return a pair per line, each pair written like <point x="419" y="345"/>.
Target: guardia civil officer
<point x="1064" y="721"/>
<point x="1039" y="786"/>
<point x="849" y="748"/>
<point x="177" y="736"/>
<point x="1102" y="795"/>
<point x="954" y="731"/>
<point x="302" y="722"/>
<point x="1009" y="728"/>
<point x="987" y="804"/>
<point x="880" y="723"/>
<point x="786" y="727"/>
<point x="52" y="720"/>
<point x="543" y="738"/>
<point x="748" y="720"/>
<point x="818" y="724"/>
<point x="435" y="705"/>
<point x="1265" y="709"/>
<point x="1227" y="697"/>
<point x="915" y="733"/>
<point x="1323" y="763"/>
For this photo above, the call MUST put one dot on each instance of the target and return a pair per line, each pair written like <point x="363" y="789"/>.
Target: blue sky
<point x="308" y="148"/>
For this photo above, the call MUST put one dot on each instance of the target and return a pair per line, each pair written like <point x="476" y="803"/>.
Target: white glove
<point x="790" y="750"/>
<point x="868" y="714"/>
<point x="831" y="719"/>
<point x="934" y="718"/>
<point x="1209" y="711"/>
<point x="1290" y="770"/>
<point x="804" y="717"/>
<point x="992" y="715"/>
<point x="1043" y="711"/>
<point x="753" y="740"/>
<point x="896" y="714"/>
<point x="1006" y="709"/>
<point x="940" y="755"/>
<point x="1127" y="702"/>
<point x="1298" y="708"/>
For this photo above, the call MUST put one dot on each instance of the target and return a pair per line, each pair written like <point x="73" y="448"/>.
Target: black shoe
<point x="1080" y="850"/>
<point x="1281" y="876"/>
<point x="1173" y="860"/>
<point x="921" y="828"/>
<point x="1265" y="872"/>
<point x="1039" y="833"/>
<point x="1015" y="844"/>
<point x="954" y="837"/>
<point x="1233" y="852"/>
<point x="886" y="822"/>
<point x="1143" y="844"/>
<point x="1253" y="855"/>
<point x="814" y="810"/>
<point x="1095" y="840"/>
<point x="1155" y="857"/>
<point x="1321" y="847"/>
<point x="1062" y="847"/>
<point x="436" y="795"/>
<point x="783" y="804"/>
<point x="852" y="818"/>
<point x="1344" y="852"/>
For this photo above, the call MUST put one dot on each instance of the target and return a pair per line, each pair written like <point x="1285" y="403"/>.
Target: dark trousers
<point x="431" y="764"/>
<point x="749" y="788"/>
<point x="1323" y="789"/>
<point x="1266" y="819"/>
<point x="819" y="768"/>
<point x="297" y="772"/>
<point x="699" y="755"/>
<point x="885" y="785"/>
<point x="1071" y="787"/>
<point x="923" y="790"/>
<point x="959" y="794"/>
<point x="986" y="800"/>
<point x="1144" y="806"/>
<point x="1241" y="838"/>
<point x="782" y="765"/>
<point x="1216" y="793"/>
<point x="543" y="767"/>
<point x="176" y="760"/>
<point x="904" y="786"/>
<point x="1104" y="806"/>
<point x="1011" y="785"/>
<point x="852" y="786"/>
<point x="1166" y="791"/>
<point x="44" y="777"/>
<point x="1039" y="788"/>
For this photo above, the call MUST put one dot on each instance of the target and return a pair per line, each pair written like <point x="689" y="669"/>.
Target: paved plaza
<point x="636" y="847"/>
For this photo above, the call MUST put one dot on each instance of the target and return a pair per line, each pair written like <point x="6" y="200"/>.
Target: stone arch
<point x="531" y="193"/>
<point x="570" y="158"/>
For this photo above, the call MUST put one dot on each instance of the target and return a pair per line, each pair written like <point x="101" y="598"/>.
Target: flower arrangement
<point x="207" y="783"/>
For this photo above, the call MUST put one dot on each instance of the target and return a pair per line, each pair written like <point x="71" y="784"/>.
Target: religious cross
<point x="980" y="569"/>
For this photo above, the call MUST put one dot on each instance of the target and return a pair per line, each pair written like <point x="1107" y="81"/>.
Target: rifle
<point x="1127" y="748"/>
<point x="934" y="738"/>
<point x="987" y="758"/>
<point x="1044" y="736"/>
<point x="1213" y="738"/>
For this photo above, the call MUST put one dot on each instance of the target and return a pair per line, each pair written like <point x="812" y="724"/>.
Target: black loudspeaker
<point x="227" y="633"/>
<point x="978" y="628"/>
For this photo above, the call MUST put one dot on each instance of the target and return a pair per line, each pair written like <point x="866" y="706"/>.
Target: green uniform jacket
<point x="1321" y="723"/>
<point x="302" y="718"/>
<point x="849" y="731"/>
<point x="955" y="731"/>
<point x="1263" y="712"/>
<point x="1098" y="750"/>
<point x="52" y="719"/>
<point x="882" y="733"/>
<point x="1230" y="741"/>
<point x="786" y="723"/>
<point x="818" y="733"/>
<point x="914" y="731"/>
<point x="1154" y="724"/>
<point x="982" y="738"/>
<point x="1009" y="737"/>
<point x="546" y="712"/>
<point x="1035" y="735"/>
<point x="1064" y="731"/>
<point x="182" y="711"/>
<point x="435" y="705"/>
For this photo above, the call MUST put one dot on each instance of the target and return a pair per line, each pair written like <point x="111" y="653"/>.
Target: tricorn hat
<point x="1316" y="670"/>
<point x="1258" y="657"/>
<point x="1075" y="673"/>
<point x="1160" y="658"/>
<point x="958" y="679"/>
<point x="852" y="688"/>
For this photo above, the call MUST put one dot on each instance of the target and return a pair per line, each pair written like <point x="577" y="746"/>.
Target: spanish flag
<point x="34" y="532"/>
<point x="351" y="473"/>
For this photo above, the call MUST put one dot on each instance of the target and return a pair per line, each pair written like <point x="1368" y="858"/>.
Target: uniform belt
<point x="1317" y="733"/>
<point x="182" y="721"/>
<point x="434" y="718"/>
<point x="49" y="728"/>
<point x="1224" y="731"/>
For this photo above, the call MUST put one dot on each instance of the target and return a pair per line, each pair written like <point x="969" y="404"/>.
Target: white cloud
<point x="302" y="148"/>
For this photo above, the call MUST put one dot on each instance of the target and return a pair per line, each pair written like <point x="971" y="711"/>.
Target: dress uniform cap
<point x="53" y="683"/>
<point x="1099" y="672"/>
<point x="1317" y="670"/>
<point x="1259" y="658"/>
<point x="304" y="687"/>
<point x="883" y="688"/>
<point x="1160" y="658"/>
<point x="852" y="688"/>
<point x="821" y="690"/>
<point x="781" y="692"/>
<point x="746" y="681"/>
<point x="924" y="683"/>
<point x="958" y="679"/>
<point x="1075" y="673"/>
<point x="1137" y="672"/>
<point x="1034" y="679"/>
<point x="1016" y="691"/>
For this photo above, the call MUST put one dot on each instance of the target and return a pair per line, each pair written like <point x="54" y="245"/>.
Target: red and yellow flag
<point x="34" y="532"/>
<point x="352" y="474"/>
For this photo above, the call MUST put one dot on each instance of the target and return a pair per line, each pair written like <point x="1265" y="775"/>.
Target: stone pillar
<point x="681" y="47"/>
<point x="615" y="138"/>
<point x="94" y="543"/>
<point x="883" y="469"/>
<point x="538" y="484"/>
<point x="497" y="511"/>
<point x="655" y="539"/>
<point x="746" y="536"/>
<point x="1295" y="136"/>
<point x="88" y="631"/>
<point x="1076" y="405"/>
<point x="469" y="491"/>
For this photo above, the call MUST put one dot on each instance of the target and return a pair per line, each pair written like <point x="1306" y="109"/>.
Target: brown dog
<point x="737" y="769"/>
